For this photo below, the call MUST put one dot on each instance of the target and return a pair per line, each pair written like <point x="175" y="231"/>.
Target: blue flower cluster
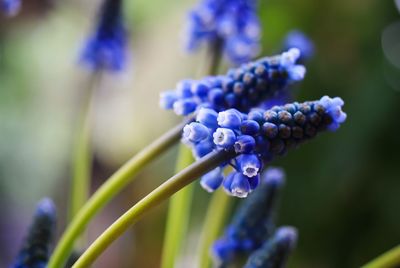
<point x="275" y="251"/>
<point x="106" y="48"/>
<point x="233" y="22"/>
<point x="241" y="88"/>
<point x="36" y="247"/>
<point x="297" y="39"/>
<point x="257" y="137"/>
<point x="10" y="7"/>
<point x="253" y="222"/>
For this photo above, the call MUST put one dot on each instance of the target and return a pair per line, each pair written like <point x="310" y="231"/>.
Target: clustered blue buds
<point x="36" y="247"/>
<point x="10" y="7"/>
<point x="257" y="137"/>
<point x="275" y="251"/>
<point x="234" y="23"/>
<point x="297" y="39"/>
<point x="253" y="222"/>
<point x="105" y="49"/>
<point x="241" y="88"/>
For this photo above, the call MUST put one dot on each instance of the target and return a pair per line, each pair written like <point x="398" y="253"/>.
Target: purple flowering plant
<point x="234" y="124"/>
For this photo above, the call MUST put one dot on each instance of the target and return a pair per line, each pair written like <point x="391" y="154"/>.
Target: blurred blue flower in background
<point x="105" y="49"/>
<point x="275" y="251"/>
<point x="253" y="222"/>
<point x="234" y="23"/>
<point x="10" y="7"/>
<point x="36" y="247"/>
<point x="298" y="39"/>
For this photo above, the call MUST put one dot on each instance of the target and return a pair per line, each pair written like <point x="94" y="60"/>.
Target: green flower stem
<point x="389" y="259"/>
<point x="164" y="191"/>
<point x="108" y="190"/>
<point x="82" y="156"/>
<point x="178" y="214"/>
<point x="179" y="204"/>
<point x="217" y="211"/>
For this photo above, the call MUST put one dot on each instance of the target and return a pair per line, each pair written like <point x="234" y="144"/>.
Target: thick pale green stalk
<point x="217" y="212"/>
<point x="389" y="259"/>
<point x="82" y="156"/>
<point x="164" y="191"/>
<point x="178" y="214"/>
<point x="109" y="189"/>
<point x="178" y="209"/>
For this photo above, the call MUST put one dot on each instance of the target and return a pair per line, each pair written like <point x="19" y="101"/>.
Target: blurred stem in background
<point x="217" y="211"/>
<point x="179" y="206"/>
<point x="388" y="259"/>
<point x="82" y="155"/>
<point x="178" y="214"/>
<point x="158" y="195"/>
<point x="108" y="190"/>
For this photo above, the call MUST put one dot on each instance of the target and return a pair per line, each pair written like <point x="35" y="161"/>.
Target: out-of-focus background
<point x="342" y="190"/>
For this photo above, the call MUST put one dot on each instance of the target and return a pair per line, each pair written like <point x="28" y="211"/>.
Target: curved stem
<point x="388" y="259"/>
<point x="217" y="211"/>
<point x="179" y="205"/>
<point x="108" y="190"/>
<point x="164" y="191"/>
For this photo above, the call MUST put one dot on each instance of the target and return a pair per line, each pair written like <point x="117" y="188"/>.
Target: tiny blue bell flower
<point x="240" y="186"/>
<point x="36" y="247"/>
<point x="229" y="119"/>
<point x="184" y="107"/>
<point x="195" y="132"/>
<point x="249" y="164"/>
<point x="207" y="117"/>
<point x="275" y="251"/>
<point x="106" y="48"/>
<point x="212" y="180"/>
<point x="227" y="182"/>
<point x="224" y="138"/>
<point x="245" y="144"/>
<point x="10" y="7"/>
<point x="167" y="99"/>
<point x="203" y="148"/>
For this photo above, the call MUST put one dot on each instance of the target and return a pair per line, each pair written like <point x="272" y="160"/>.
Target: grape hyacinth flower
<point x="297" y="39"/>
<point x="105" y="49"/>
<point x="275" y="251"/>
<point x="253" y="222"/>
<point x="258" y="136"/>
<point x="36" y="247"/>
<point x="241" y="88"/>
<point x="234" y="23"/>
<point x="10" y="7"/>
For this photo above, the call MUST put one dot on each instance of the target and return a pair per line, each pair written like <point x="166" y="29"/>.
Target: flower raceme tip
<point x="105" y="49"/>
<point x="10" y="7"/>
<point x="297" y="39"/>
<point x="241" y="88"/>
<point x="257" y="137"/>
<point x="36" y="247"/>
<point x="275" y="251"/>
